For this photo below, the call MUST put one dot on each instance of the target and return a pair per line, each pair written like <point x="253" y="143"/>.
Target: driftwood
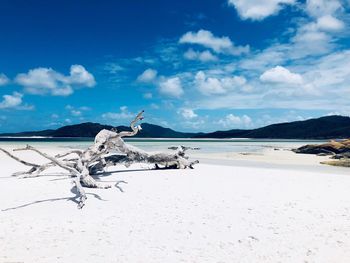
<point x="109" y="149"/>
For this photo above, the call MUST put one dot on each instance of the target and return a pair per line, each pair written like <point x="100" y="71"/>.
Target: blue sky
<point x="192" y="66"/>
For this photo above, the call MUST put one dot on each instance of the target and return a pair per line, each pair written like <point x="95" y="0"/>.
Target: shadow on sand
<point x="74" y="191"/>
<point x="74" y="199"/>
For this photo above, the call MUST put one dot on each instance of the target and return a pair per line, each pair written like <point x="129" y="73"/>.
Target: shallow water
<point x="205" y="145"/>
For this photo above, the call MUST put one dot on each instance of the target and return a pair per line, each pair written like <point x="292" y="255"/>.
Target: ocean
<point x="155" y="144"/>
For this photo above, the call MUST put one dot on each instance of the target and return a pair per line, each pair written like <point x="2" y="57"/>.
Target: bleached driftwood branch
<point x="109" y="149"/>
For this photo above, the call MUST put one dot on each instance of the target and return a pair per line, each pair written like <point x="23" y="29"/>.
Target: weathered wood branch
<point x="18" y="159"/>
<point x="109" y="149"/>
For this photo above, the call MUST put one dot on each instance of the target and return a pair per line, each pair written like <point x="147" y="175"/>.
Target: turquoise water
<point x="205" y="145"/>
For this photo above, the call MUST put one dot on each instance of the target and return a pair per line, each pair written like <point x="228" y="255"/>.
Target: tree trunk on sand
<point x="109" y="149"/>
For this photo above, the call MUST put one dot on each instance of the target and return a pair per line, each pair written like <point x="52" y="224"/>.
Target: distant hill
<point x="90" y="129"/>
<point x="87" y="129"/>
<point x="156" y="131"/>
<point x="321" y="128"/>
<point x="224" y="134"/>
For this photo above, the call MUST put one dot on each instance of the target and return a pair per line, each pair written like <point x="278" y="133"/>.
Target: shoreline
<point x="267" y="156"/>
<point x="38" y="138"/>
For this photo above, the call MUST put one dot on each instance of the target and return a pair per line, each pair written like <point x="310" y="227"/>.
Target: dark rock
<point x="339" y="149"/>
<point x="332" y="147"/>
<point x="341" y="156"/>
<point x="324" y="154"/>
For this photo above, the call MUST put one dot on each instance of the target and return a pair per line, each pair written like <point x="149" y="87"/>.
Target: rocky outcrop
<point x="345" y="162"/>
<point x="338" y="150"/>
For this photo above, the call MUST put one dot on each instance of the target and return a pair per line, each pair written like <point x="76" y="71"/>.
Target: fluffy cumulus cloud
<point x="77" y="111"/>
<point x="188" y="114"/>
<point x="318" y="36"/>
<point x="43" y="81"/>
<point x="148" y="75"/>
<point x="11" y="101"/>
<point x="281" y="75"/>
<point x="319" y="8"/>
<point x="80" y="76"/>
<point x="3" y="79"/>
<point x="171" y="87"/>
<point x="204" y="56"/>
<point x="212" y="85"/>
<point x="14" y="101"/>
<point x="206" y="39"/>
<point x="331" y="74"/>
<point x="257" y="9"/>
<point x="329" y="23"/>
<point x="208" y="85"/>
<point x="312" y="50"/>
<point x="312" y="36"/>
<point x="121" y="115"/>
<point x="233" y="121"/>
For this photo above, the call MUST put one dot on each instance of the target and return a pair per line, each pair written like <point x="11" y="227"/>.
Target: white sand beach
<point x="214" y="213"/>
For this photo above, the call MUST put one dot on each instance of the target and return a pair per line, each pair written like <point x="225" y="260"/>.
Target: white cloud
<point x="313" y="36"/>
<point x="84" y="108"/>
<point x="14" y="101"/>
<point x="113" y="68"/>
<point x="76" y="111"/>
<point x="218" y="44"/>
<point x="318" y="8"/>
<point x="258" y="9"/>
<point x="148" y="75"/>
<point x="331" y="74"/>
<point x="123" y="114"/>
<point x="208" y="85"/>
<point x="80" y="76"/>
<point x="319" y="36"/>
<point x="154" y="106"/>
<point x="329" y="23"/>
<point x="148" y="95"/>
<point x="3" y="79"/>
<point x="289" y="116"/>
<point x="263" y="59"/>
<point x="171" y="87"/>
<point x="309" y="40"/>
<point x="69" y="107"/>
<point x="11" y="101"/>
<point x="188" y="114"/>
<point x="204" y="56"/>
<point x="325" y="80"/>
<point x="211" y="85"/>
<point x="309" y="33"/>
<point x="48" y="81"/>
<point x="281" y="75"/>
<point x="316" y="38"/>
<point x="233" y="121"/>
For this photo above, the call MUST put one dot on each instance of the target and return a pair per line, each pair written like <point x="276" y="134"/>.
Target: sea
<point x="162" y="144"/>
